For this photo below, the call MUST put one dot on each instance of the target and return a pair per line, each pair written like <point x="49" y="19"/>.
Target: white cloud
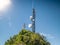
<point x="49" y="36"/>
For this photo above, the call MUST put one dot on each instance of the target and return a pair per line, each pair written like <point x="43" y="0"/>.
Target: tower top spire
<point x="33" y="6"/>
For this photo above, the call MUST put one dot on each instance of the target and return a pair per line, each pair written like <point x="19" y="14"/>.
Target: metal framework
<point x="33" y="20"/>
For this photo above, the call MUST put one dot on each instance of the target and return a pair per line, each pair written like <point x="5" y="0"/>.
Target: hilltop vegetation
<point x="26" y="37"/>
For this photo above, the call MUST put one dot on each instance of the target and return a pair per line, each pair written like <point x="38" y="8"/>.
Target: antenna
<point x="33" y="4"/>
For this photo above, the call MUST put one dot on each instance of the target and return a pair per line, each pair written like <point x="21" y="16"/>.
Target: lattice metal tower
<point x="33" y="16"/>
<point x="33" y="20"/>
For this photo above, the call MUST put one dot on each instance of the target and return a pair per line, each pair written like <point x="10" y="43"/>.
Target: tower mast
<point x="33" y="20"/>
<point x="33" y="15"/>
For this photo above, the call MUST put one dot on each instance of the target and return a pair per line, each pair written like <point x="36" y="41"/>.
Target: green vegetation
<point x="26" y="37"/>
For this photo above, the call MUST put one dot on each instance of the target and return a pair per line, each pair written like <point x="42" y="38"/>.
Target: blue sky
<point x="47" y="19"/>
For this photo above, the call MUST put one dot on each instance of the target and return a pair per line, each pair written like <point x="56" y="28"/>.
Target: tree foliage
<point x="26" y="37"/>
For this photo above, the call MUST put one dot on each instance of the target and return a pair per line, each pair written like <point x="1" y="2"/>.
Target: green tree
<point x="26" y="37"/>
